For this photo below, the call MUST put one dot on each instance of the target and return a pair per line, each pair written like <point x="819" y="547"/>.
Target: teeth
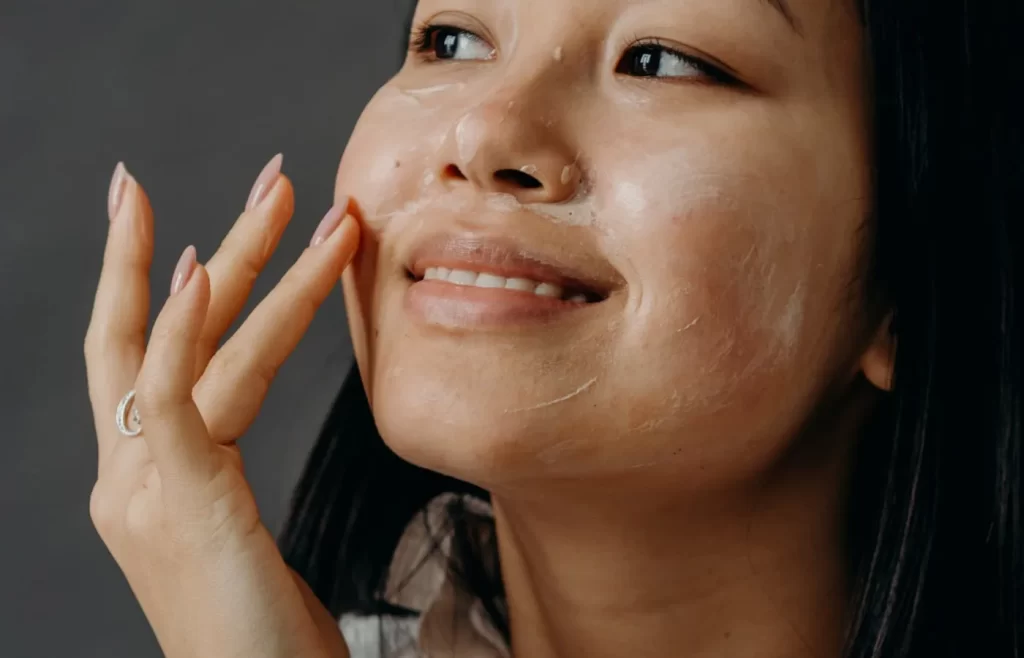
<point x="521" y="284"/>
<point x="467" y="278"/>
<point x="548" y="290"/>
<point x="490" y="281"/>
<point x="462" y="278"/>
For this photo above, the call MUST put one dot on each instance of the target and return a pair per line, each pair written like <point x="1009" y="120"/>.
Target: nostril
<point x="517" y="178"/>
<point x="452" y="171"/>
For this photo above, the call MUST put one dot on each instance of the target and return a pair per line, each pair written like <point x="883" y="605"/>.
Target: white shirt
<point x="452" y="622"/>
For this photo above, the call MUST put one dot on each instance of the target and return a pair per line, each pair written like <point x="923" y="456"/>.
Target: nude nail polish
<point x="118" y="183"/>
<point x="327" y="225"/>
<point x="265" y="181"/>
<point x="183" y="271"/>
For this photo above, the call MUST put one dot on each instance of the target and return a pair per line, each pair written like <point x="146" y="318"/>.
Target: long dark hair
<point x="935" y="521"/>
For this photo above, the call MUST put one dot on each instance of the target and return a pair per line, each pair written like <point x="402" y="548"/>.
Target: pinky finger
<point x="172" y="425"/>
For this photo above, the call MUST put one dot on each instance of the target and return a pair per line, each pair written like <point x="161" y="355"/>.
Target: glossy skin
<point x="666" y="454"/>
<point x="727" y="226"/>
<point x="720" y="216"/>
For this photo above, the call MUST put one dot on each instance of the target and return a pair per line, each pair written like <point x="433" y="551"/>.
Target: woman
<point x="689" y="328"/>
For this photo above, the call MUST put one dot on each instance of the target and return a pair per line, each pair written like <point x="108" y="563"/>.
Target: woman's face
<point x="666" y="200"/>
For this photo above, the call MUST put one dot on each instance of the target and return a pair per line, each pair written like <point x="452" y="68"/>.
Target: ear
<point x="877" y="361"/>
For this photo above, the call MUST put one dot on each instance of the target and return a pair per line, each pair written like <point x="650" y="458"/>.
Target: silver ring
<point x="123" y="408"/>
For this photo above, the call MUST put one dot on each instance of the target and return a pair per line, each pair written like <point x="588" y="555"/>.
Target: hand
<point x="172" y="505"/>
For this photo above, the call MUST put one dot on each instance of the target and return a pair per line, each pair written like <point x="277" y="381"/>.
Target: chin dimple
<point x="492" y="281"/>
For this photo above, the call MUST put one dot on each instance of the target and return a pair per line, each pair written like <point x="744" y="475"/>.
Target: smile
<point x="474" y="283"/>
<point x="495" y="282"/>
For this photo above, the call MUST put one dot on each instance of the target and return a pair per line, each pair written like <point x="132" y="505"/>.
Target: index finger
<point x="115" y="341"/>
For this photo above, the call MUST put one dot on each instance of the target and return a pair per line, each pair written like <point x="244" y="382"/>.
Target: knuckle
<point x="165" y="331"/>
<point x="89" y="343"/>
<point x="139" y="259"/>
<point x="104" y="510"/>
<point x="300" y="291"/>
<point x="298" y="277"/>
<point x="249" y="264"/>
<point x="96" y="344"/>
<point x="306" y="307"/>
<point x="245" y="254"/>
<point x="234" y="370"/>
<point x="265" y="374"/>
<point x="156" y="395"/>
<point x="226" y="365"/>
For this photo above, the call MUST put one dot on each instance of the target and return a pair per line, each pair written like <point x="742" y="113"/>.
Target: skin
<point x="173" y="505"/>
<point x="694" y="428"/>
<point x="691" y="430"/>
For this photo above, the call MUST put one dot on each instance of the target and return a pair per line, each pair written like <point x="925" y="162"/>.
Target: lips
<point x="488" y="281"/>
<point x="471" y="280"/>
<point x="493" y="262"/>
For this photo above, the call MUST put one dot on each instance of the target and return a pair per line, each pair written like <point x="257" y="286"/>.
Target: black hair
<point x="935" y="526"/>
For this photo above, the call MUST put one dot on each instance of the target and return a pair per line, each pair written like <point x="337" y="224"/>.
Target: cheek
<point x="734" y="304"/>
<point x="360" y="283"/>
<point x="385" y="167"/>
<point x="387" y="161"/>
<point x="720" y="299"/>
<point x="735" y="269"/>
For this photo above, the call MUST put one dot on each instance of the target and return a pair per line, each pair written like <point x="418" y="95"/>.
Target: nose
<point x="501" y="147"/>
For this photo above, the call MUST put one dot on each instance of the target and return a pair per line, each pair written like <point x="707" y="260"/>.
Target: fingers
<point x="173" y="428"/>
<point x="244" y="253"/>
<point x="234" y="385"/>
<point x="116" y="338"/>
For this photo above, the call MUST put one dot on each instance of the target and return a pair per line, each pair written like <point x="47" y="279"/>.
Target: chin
<point x="469" y="423"/>
<point x="472" y="379"/>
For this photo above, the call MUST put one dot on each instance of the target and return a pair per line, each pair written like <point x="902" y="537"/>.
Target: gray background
<point x="195" y="96"/>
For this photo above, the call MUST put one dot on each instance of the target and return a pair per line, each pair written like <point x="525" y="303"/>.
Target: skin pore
<point x="667" y="460"/>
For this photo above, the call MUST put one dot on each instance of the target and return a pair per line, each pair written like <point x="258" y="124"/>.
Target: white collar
<point x="452" y="621"/>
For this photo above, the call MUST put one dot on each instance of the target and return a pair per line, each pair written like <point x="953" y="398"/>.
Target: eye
<point x="437" y="42"/>
<point x="653" y="60"/>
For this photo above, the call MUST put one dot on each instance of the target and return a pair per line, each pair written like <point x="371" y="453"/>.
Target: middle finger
<point x="243" y="255"/>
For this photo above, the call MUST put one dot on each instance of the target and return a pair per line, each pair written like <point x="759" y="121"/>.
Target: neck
<point x="759" y="573"/>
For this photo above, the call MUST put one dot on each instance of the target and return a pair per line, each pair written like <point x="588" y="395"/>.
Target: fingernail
<point x="327" y="225"/>
<point x="183" y="271"/>
<point x="118" y="183"/>
<point x="265" y="181"/>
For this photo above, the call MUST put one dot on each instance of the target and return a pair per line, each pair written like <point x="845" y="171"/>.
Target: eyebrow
<point x="782" y="6"/>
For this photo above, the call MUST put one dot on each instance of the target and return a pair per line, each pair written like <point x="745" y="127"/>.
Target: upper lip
<point x="577" y="269"/>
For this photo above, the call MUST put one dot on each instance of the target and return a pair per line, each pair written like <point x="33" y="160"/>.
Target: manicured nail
<point x="327" y="225"/>
<point x="118" y="183"/>
<point x="183" y="271"/>
<point x="265" y="181"/>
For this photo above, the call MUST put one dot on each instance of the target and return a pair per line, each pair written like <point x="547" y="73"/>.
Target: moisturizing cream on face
<point x="434" y="90"/>
<point x="576" y="213"/>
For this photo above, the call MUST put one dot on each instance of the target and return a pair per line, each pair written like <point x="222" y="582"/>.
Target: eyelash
<point x="422" y="43"/>
<point x="713" y="73"/>
<point x="422" y="39"/>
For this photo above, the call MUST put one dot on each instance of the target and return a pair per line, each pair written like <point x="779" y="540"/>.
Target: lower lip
<point x="446" y="304"/>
